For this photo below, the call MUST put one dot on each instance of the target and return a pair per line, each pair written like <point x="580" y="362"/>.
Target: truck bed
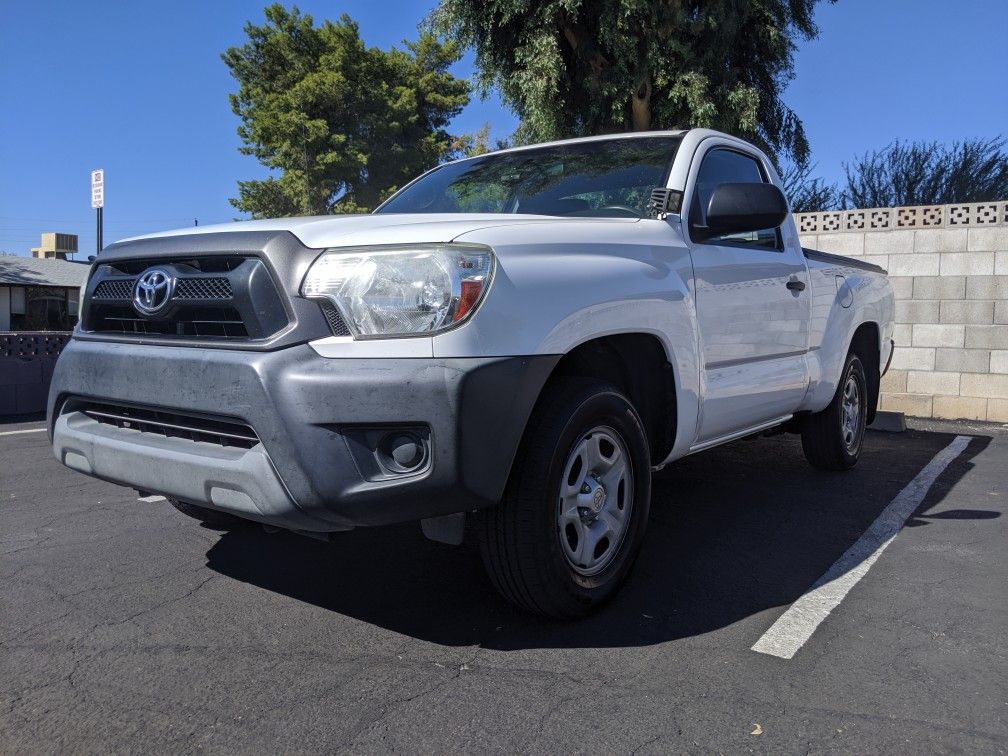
<point x="826" y="257"/>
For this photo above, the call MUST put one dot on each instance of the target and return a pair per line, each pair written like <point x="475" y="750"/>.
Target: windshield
<point x="610" y="178"/>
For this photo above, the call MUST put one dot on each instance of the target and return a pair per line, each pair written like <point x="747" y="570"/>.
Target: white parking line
<point x="151" y="499"/>
<point x="796" y="625"/>
<point x="17" y="432"/>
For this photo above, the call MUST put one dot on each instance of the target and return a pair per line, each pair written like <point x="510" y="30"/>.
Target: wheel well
<point x="866" y="345"/>
<point x="637" y="364"/>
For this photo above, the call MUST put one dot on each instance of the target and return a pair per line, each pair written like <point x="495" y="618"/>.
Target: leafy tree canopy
<point x="477" y="143"/>
<point x="580" y="67"/>
<point x="344" y="124"/>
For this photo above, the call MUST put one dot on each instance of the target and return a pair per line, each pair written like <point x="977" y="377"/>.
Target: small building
<point x="56" y="245"/>
<point x="39" y="293"/>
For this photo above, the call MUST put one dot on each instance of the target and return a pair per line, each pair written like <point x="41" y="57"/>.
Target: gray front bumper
<point x="302" y="474"/>
<point x="240" y="481"/>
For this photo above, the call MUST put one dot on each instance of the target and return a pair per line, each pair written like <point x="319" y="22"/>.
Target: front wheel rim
<point x="595" y="500"/>
<point x="851" y="409"/>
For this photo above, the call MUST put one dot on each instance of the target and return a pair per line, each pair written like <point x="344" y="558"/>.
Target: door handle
<point x="795" y="285"/>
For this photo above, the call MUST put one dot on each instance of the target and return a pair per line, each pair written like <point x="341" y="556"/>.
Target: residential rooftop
<point x="16" y="270"/>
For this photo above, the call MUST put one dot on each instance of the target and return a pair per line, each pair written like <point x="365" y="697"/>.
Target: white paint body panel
<point x="832" y="325"/>
<point x="746" y="352"/>
<point x="753" y="331"/>
<point x="360" y="230"/>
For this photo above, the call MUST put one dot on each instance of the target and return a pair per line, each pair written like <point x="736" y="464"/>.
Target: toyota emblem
<point x="598" y="499"/>
<point x="153" y="291"/>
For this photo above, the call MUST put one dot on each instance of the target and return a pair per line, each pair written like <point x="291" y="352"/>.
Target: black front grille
<point x="225" y="297"/>
<point x="115" y="289"/>
<point x="204" y="264"/>
<point x="196" y="321"/>
<point x="203" y="288"/>
<point x="196" y="289"/>
<point x="210" y="429"/>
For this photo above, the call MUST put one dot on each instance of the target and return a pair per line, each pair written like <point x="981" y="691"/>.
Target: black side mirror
<point x="738" y="208"/>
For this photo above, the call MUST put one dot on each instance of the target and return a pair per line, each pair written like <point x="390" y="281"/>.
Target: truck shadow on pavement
<point x="734" y="531"/>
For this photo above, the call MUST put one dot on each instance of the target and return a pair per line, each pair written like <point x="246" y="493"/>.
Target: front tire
<point x="566" y="534"/>
<point x="832" y="439"/>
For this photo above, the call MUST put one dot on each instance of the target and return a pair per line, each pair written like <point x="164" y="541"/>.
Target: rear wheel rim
<point x="851" y="410"/>
<point x="595" y="500"/>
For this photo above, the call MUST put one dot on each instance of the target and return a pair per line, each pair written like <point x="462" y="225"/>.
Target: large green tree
<point x="342" y="123"/>
<point x="579" y="67"/>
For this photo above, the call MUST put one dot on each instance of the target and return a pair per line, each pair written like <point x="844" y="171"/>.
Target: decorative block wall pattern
<point x="949" y="268"/>
<point x="26" y="367"/>
<point x="928" y="216"/>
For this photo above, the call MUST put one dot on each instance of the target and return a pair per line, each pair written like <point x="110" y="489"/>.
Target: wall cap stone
<point x="964" y="215"/>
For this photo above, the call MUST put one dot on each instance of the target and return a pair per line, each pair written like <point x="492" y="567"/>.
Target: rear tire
<point x="573" y="516"/>
<point x="832" y="439"/>
<point x="209" y="517"/>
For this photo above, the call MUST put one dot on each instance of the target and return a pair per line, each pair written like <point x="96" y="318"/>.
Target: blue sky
<point x="138" y="88"/>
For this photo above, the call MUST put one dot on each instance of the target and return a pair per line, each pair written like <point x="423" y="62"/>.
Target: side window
<point x="723" y="167"/>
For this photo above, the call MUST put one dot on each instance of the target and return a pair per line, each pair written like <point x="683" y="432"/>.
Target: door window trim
<point x="694" y="204"/>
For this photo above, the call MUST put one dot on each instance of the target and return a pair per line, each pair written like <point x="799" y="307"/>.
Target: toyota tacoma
<point x="507" y="349"/>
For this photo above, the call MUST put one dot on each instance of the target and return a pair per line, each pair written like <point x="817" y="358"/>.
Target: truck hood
<point x="353" y="230"/>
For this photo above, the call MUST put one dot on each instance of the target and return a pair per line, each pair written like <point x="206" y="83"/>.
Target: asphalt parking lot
<point x="125" y="626"/>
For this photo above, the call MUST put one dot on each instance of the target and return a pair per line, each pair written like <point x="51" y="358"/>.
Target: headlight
<point x="402" y="291"/>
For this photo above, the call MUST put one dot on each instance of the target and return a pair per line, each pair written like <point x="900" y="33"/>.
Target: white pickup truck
<point x="508" y="347"/>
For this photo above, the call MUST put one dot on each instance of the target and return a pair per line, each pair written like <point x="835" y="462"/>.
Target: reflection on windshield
<point x="610" y="178"/>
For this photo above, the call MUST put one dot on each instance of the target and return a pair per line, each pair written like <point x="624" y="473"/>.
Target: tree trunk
<point x="640" y="107"/>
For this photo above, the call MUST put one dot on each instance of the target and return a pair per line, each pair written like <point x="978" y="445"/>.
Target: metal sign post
<point x="98" y="202"/>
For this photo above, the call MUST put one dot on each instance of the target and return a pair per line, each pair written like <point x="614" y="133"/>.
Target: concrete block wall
<point x="949" y="269"/>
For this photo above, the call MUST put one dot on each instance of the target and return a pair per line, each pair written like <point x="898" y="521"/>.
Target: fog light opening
<point x="402" y="451"/>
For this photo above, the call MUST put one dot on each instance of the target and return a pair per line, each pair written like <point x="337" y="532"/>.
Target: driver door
<point x="753" y="328"/>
